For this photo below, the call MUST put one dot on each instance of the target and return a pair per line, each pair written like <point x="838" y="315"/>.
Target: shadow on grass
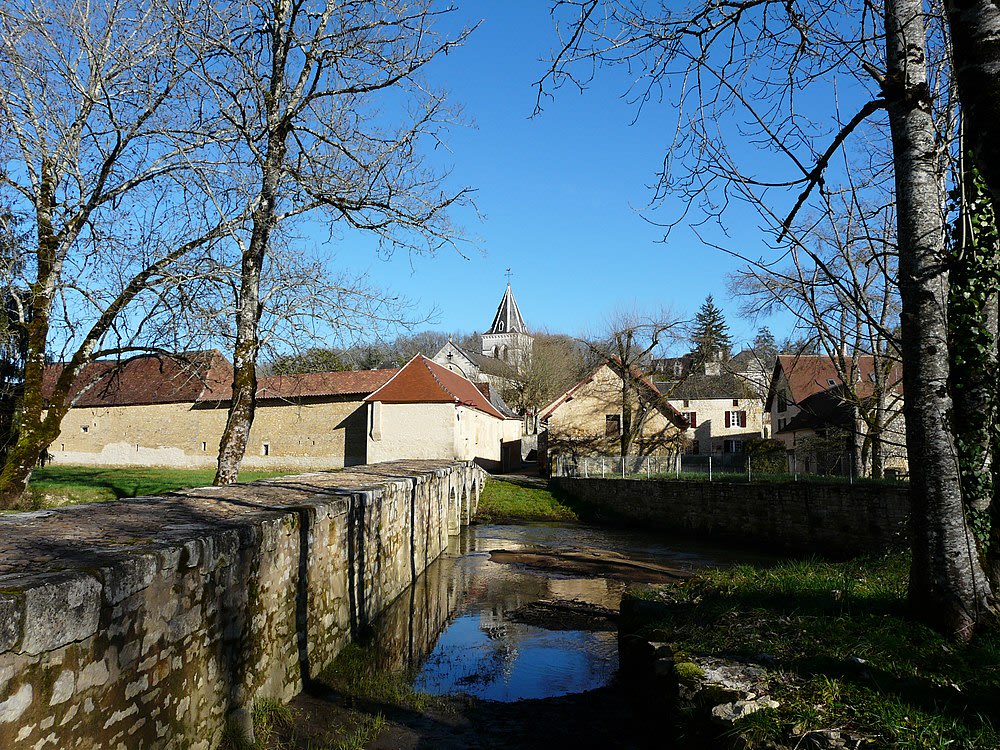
<point x="845" y="625"/>
<point x="77" y="484"/>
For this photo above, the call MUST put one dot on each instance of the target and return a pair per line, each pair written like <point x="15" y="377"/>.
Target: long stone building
<point x="170" y="411"/>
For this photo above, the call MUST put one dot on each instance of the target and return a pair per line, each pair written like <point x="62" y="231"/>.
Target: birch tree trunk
<point x="948" y="587"/>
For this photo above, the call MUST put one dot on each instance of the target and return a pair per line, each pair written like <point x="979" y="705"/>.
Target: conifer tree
<point x="710" y="336"/>
<point x="764" y="344"/>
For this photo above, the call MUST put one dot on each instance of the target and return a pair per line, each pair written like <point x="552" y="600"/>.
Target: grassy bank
<point x="841" y="652"/>
<point x="510" y="502"/>
<point x="53" y="486"/>
<point x="349" y="705"/>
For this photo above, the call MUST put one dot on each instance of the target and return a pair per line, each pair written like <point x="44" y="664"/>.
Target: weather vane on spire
<point x="508" y="277"/>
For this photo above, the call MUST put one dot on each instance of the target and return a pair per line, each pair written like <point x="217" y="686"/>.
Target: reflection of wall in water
<point x="407" y="631"/>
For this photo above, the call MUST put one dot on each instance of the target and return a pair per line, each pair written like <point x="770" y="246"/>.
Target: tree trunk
<point x="948" y="588"/>
<point x="33" y="438"/>
<point x="975" y="32"/>
<point x="233" y="445"/>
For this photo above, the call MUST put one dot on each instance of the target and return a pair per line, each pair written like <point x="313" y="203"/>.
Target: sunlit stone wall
<point x="147" y="623"/>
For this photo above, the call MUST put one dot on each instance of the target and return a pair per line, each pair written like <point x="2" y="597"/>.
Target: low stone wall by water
<point x="833" y="519"/>
<point x="146" y="623"/>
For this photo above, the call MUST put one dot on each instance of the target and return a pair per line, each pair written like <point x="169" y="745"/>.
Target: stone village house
<point x="587" y="420"/>
<point x="157" y="410"/>
<point x="720" y="400"/>
<point x="811" y="412"/>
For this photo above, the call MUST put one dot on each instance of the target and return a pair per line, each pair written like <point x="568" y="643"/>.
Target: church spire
<point x="508" y="318"/>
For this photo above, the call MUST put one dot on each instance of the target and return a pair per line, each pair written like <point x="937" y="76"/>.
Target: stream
<point x="458" y="632"/>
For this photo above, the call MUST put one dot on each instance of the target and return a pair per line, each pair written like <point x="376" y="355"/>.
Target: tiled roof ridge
<point x="426" y="363"/>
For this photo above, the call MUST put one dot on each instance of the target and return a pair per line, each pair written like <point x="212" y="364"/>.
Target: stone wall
<point x="830" y="518"/>
<point x="147" y="623"/>
<point x="308" y="434"/>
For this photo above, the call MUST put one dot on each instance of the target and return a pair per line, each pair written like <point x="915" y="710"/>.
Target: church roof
<point x="487" y="365"/>
<point x="508" y="318"/>
<point x="423" y="381"/>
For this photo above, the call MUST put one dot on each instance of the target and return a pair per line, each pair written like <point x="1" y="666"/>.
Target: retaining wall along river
<point x="147" y="623"/>
<point x="827" y="518"/>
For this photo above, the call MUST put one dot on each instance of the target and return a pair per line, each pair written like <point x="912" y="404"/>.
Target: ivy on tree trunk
<point x="948" y="587"/>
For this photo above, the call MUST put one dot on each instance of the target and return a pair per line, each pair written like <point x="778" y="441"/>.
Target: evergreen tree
<point x="764" y="345"/>
<point x="710" y="339"/>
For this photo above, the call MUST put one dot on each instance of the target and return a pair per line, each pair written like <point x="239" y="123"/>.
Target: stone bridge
<point x="150" y="623"/>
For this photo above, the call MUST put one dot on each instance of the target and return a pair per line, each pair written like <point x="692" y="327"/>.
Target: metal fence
<point x="719" y="467"/>
<point x="612" y="466"/>
<point x="633" y="466"/>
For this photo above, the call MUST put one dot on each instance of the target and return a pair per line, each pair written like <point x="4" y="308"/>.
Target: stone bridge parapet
<point x="146" y="623"/>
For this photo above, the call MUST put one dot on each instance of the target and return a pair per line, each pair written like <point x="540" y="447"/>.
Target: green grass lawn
<point x="53" y="486"/>
<point x="847" y="654"/>
<point x="506" y="502"/>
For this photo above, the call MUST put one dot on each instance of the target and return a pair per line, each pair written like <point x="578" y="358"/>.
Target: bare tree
<point x="743" y="66"/>
<point x="628" y="344"/>
<point x="555" y="364"/>
<point x="839" y="279"/>
<point x="98" y="151"/>
<point x="300" y="84"/>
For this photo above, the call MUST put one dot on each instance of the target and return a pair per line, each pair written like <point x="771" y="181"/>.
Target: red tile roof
<point x="323" y="384"/>
<point x="422" y="381"/>
<point x="809" y="374"/>
<point x="147" y="379"/>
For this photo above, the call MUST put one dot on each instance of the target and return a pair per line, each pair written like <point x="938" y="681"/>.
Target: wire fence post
<point x="748" y="467"/>
<point x="709" y="468"/>
<point x="647" y="467"/>
<point x="602" y="467"/>
<point x="586" y="467"/>
<point x="623" y="467"/>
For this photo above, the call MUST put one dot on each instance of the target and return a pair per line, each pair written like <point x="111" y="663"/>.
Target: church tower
<point x="508" y="339"/>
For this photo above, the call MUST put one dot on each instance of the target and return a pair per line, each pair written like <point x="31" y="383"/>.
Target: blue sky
<point x="561" y="195"/>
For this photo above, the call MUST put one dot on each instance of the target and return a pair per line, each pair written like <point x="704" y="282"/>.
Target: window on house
<point x="265" y="449"/>
<point x="782" y="402"/>
<point x="736" y="402"/>
<point x="204" y="445"/>
<point x="781" y="423"/>
<point x="732" y="446"/>
<point x="613" y="425"/>
<point x="831" y="382"/>
<point x="687" y="403"/>
<point x="85" y="428"/>
<point x="736" y="419"/>
<point x="691" y="417"/>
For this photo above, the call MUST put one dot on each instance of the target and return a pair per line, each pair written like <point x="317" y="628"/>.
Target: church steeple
<point x="508" y="339"/>
<point x="508" y="318"/>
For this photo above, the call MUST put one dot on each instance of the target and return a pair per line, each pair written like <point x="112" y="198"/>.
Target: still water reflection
<point x="452" y="628"/>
